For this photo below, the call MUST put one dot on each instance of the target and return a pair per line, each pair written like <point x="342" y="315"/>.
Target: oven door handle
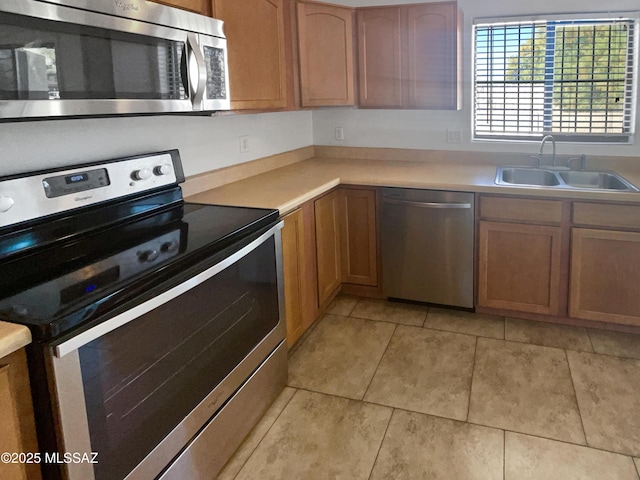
<point x="122" y="319"/>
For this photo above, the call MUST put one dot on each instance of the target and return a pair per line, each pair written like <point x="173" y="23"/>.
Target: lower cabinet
<point x="326" y="242"/>
<point x="17" y="424"/>
<point x="298" y="259"/>
<point x="327" y="217"/>
<point x="359" y="251"/>
<point x="519" y="267"/>
<point x="605" y="274"/>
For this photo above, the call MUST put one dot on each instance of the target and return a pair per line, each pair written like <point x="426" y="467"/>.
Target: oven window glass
<point x="46" y="60"/>
<point x="142" y="379"/>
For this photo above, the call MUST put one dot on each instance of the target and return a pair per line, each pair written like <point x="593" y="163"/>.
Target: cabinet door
<point x="359" y="244"/>
<point x="519" y="267"/>
<point x="605" y="274"/>
<point x="17" y="422"/>
<point x="432" y="50"/>
<point x="379" y="57"/>
<point x="325" y="38"/>
<point x="197" y="6"/>
<point x="255" y="31"/>
<point x="293" y="266"/>
<point x="327" y="245"/>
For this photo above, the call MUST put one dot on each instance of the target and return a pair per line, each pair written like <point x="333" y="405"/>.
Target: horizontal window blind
<point x="571" y="79"/>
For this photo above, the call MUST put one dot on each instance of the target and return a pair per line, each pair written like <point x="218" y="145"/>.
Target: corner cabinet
<point x="256" y="32"/>
<point x="359" y="244"/>
<point x="326" y="51"/>
<point x="327" y="235"/>
<point x="409" y="56"/>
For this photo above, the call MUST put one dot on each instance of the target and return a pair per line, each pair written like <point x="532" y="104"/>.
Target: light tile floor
<point x="385" y="391"/>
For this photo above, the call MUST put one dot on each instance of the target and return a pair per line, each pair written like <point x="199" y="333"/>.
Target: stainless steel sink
<point x="599" y="180"/>
<point x="565" y="179"/>
<point x="529" y="176"/>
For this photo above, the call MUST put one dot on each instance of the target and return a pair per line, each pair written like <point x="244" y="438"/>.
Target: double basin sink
<point x="563" y="179"/>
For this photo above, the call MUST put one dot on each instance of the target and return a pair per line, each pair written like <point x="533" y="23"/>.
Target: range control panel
<point x="38" y="195"/>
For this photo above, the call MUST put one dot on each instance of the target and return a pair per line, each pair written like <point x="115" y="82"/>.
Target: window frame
<point x="572" y="137"/>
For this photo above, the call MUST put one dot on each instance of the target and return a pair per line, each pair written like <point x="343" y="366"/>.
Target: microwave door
<point x="84" y="63"/>
<point x="216" y="93"/>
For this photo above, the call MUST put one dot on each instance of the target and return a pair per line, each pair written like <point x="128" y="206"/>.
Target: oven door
<point x="138" y="388"/>
<point x="57" y="60"/>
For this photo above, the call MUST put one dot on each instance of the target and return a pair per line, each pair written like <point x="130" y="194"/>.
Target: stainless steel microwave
<point x="68" y="58"/>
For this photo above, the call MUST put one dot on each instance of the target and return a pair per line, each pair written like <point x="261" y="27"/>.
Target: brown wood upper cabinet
<point x="409" y="56"/>
<point x="256" y="32"/>
<point x="196" y="6"/>
<point x="325" y="46"/>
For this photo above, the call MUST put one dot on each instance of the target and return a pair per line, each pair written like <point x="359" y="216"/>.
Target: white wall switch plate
<point x="339" y="133"/>
<point x="244" y="143"/>
<point x="454" y="136"/>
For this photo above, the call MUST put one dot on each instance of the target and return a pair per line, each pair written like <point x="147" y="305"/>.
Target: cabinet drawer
<point x="519" y="209"/>
<point x="604" y="215"/>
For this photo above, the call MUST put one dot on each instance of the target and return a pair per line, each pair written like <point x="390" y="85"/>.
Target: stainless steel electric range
<point x="158" y="324"/>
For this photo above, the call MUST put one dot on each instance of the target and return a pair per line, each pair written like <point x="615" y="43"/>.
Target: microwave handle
<point x="196" y="71"/>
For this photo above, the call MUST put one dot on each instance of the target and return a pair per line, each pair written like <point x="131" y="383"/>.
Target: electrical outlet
<point x="454" y="136"/>
<point x="244" y="143"/>
<point x="339" y="133"/>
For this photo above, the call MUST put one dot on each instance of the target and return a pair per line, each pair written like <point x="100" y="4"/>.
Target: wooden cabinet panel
<point x="432" y="52"/>
<point x="606" y="215"/>
<point x="293" y="266"/>
<point x="359" y="242"/>
<point x="327" y="245"/>
<point x="325" y="39"/>
<point x="520" y="209"/>
<point x="255" y="31"/>
<point x="519" y="267"/>
<point x="379" y="57"/>
<point x="17" y="422"/>
<point x="9" y="433"/>
<point x="605" y="274"/>
<point x="197" y="6"/>
<point x="409" y="56"/>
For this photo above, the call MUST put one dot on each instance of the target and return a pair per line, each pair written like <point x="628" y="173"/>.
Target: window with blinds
<point x="574" y="79"/>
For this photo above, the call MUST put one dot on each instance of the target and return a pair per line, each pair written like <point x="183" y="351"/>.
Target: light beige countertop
<point x="13" y="337"/>
<point x="288" y="187"/>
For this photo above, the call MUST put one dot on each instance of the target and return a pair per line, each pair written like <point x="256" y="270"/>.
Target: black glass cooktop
<point x="66" y="275"/>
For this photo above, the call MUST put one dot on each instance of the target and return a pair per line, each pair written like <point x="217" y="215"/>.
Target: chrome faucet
<point x="553" y="143"/>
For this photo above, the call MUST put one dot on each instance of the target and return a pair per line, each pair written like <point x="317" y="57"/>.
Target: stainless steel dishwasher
<point x="427" y="246"/>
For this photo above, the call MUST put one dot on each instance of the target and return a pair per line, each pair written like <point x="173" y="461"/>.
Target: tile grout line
<point x="590" y="341"/>
<point x="379" y="362"/>
<point x="473" y="371"/>
<point x="637" y="465"/>
<point x="476" y="424"/>
<point x="575" y="394"/>
<point x="263" y="436"/>
<point x="384" y="435"/>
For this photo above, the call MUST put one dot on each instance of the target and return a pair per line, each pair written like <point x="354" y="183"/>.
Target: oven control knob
<point x="162" y="170"/>
<point x="148" y="256"/>
<point x="142" y="174"/>
<point x="5" y="203"/>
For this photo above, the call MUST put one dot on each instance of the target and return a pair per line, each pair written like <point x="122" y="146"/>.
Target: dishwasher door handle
<point x="426" y="204"/>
